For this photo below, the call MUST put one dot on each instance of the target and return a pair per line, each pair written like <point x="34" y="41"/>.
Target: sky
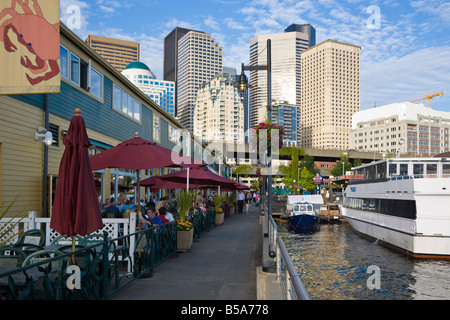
<point x="405" y="44"/>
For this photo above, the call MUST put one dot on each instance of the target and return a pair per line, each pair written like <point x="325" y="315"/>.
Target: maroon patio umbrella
<point x="76" y="210"/>
<point x="199" y="176"/>
<point x="140" y="154"/>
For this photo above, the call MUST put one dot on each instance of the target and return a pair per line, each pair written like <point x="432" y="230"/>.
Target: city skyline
<point x="404" y="51"/>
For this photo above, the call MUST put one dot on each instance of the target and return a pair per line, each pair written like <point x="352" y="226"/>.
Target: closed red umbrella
<point x="76" y="210"/>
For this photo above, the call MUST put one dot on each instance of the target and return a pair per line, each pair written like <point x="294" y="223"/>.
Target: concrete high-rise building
<point x="199" y="60"/>
<point x="119" y="53"/>
<point x="425" y="131"/>
<point x="170" y="63"/>
<point x="286" y="70"/>
<point x="160" y="91"/>
<point x="219" y="112"/>
<point x="330" y="94"/>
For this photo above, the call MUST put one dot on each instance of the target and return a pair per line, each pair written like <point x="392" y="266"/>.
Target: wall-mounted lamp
<point x="47" y="136"/>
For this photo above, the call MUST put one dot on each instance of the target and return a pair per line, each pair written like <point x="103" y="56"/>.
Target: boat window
<point x="295" y="208"/>
<point x="381" y="171"/>
<point x="392" y="169"/>
<point x="310" y="208"/>
<point x="432" y="170"/>
<point x="302" y="208"/>
<point x="418" y="169"/>
<point x="403" y="169"/>
<point x="446" y="170"/>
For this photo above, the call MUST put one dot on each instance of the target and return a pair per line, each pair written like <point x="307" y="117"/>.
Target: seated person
<point x="162" y="214"/>
<point x="151" y="219"/>
<point x="126" y="205"/>
<point x="112" y="209"/>
<point x="165" y="215"/>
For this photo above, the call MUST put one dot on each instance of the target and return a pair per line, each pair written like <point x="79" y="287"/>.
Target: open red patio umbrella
<point x="198" y="176"/>
<point x="76" y="210"/>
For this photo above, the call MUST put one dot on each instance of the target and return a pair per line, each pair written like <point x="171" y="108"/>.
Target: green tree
<point x="306" y="180"/>
<point x="308" y="163"/>
<point x="291" y="173"/>
<point x="338" y="169"/>
<point x="357" y="162"/>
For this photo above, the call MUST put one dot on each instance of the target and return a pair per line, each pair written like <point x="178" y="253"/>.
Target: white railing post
<point x="132" y="239"/>
<point x="31" y="220"/>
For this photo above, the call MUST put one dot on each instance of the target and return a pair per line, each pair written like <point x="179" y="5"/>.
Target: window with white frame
<point x="156" y="127"/>
<point x="81" y="73"/>
<point x="174" y="134"/>
<point x="125" y="103"/>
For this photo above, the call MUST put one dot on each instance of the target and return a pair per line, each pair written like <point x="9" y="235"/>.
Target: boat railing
<point x="292" y="285"/>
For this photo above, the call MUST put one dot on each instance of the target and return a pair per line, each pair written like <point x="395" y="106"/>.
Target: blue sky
<point x="403" y="56"/>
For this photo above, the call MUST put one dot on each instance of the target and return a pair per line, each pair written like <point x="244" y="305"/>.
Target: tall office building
<point x="219" y="113"/>
<point x="119" y="53"/>
<point x="199" y="60"/>
<point x="330" y="94"/>
<point x="170" y="63"/>
<point x="304" y="28"/>
<point x="286" y="70"/>
<point x="160" y="91"/>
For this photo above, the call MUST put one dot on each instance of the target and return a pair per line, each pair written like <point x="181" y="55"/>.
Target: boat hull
<point x="302" y="222"/>
<point x="399" y="239"/>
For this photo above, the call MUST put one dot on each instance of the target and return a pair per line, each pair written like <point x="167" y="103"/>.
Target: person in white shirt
<point x="240" y="199"/>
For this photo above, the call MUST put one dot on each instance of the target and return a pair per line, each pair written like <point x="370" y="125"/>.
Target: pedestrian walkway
<point x="221" y="265"/>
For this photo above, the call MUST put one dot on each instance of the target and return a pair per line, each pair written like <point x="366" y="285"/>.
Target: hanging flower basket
<point x="269" y="127"/>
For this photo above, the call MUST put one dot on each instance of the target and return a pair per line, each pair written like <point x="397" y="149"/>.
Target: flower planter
<point x="184" y="239"/>
<point x="219" y="218"/>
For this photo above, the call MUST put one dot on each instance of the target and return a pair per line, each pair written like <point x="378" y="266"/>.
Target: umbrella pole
<point x="73" y="248"/>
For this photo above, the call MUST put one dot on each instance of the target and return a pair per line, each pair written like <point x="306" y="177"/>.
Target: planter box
<point x="219" y="218"/>
<point x="184" y="239"/>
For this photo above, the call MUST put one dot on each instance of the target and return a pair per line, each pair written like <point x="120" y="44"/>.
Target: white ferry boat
<point x="404" y="203"/>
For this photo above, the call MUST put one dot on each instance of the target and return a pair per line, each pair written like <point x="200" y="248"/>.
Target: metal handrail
<point x="288" y="275"/>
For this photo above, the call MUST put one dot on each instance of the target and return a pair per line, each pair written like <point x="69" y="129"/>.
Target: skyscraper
<point x="170" y="64"/>
<point x="219" y="113"/>
<point x="286" y="70"/>
<point x="160" y="91"/>
<point x="119" y="53"/>
<point x="330" y="94"/>
<point x="199" y="60"/>
<point x="304" y="28"/>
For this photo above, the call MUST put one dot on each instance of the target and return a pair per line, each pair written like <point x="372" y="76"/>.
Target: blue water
<point x="335" y="263"/>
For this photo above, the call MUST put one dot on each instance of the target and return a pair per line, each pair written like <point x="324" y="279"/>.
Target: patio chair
<point x="44" y="255"/>
<point x="28" y="248"/>
<point x="11" y="257"/>
<point x="67" y="240"/>
<point x="33" y="236"/>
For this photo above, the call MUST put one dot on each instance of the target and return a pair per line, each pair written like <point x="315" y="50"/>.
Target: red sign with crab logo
<point x="29" y="47"/>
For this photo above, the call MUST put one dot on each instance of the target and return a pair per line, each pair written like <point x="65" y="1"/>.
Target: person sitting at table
<point x="126" y="205"/>
<point x="151" y="219"/>
<point x="112" y="209"/>
<point x="167" y="214"/>
<point x="192" y="208"/>
<point x="162" y="214"/>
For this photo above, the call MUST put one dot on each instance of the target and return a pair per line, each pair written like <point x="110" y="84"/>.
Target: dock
<point x="221" y="265"/>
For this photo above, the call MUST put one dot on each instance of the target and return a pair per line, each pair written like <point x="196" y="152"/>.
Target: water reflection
<point x="333" y="262"/>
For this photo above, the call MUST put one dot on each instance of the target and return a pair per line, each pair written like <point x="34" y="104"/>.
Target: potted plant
<point x="185" y="229"/>
<point x="218" y="199"/>
<point x="232" y="202"/>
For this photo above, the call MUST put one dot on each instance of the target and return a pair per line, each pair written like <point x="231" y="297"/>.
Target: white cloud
<point x="405" y="78"/>
<point x="211" y="22"/>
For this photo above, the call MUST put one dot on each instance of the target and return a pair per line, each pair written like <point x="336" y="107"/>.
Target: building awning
<point x="100" y="144"/>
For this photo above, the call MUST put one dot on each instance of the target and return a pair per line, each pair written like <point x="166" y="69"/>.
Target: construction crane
<point x="429" y="97"/>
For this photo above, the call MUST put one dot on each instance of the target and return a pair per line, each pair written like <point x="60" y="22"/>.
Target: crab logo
<point x="29" y="38"/>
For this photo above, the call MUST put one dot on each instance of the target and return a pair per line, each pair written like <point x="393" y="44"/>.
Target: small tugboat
<point x="302" y="217"/>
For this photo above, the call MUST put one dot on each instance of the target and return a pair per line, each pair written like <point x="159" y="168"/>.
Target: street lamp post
<point x="243" y="85"/>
